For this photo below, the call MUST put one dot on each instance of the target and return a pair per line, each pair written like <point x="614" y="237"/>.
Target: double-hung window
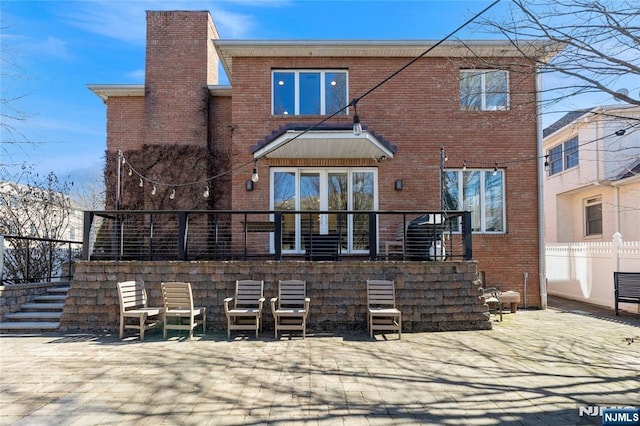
<point x="484" y="90"/>
<point x="480" y="191"/>
<point x="563" y="156"/>
<point x="309" y="92"/>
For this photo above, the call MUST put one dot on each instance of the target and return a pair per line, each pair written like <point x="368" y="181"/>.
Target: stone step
<point x="28" y="327"/>
<point x="33" y="316"/>
<point x="51" y="298"/>
<point x="39" y="307"/>
<point x="58" y="290"/>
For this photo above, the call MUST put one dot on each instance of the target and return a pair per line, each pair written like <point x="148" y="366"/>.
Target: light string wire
<point x="353" y="103"/>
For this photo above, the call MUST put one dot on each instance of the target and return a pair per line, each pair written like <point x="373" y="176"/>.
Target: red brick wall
<point x="176" y="76"/>
<point x="125" y="123"/>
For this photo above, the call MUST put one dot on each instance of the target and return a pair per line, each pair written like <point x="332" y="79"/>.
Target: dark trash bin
<point x="424" y="237"/>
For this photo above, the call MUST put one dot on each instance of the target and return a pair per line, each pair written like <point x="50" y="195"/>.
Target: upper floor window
<point x="482" y="193"/>
<point x="563" y="156"/>
<point x="309" y="92"/>
<point x="484" y="90"/>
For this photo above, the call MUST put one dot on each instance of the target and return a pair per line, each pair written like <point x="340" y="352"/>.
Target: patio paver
<point x="535" y="367"/>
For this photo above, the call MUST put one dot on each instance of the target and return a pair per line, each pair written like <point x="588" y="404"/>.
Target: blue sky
<point x="56" y="48"/>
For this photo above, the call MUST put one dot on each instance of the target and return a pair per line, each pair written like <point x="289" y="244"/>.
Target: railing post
<point x="373" y="236"/>
<point x="86" y="234"/>
<point x="182" y="235"/>
<point x="277" y="235"/>
<point x="466" y="238"/>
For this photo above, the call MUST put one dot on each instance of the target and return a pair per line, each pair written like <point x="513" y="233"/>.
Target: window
<point x="484" y="90"/>
<point x="563" y="156"/>
<point x="593" y="216"/>
<point x="309" y="92"/>
<point x="479" y="191"/>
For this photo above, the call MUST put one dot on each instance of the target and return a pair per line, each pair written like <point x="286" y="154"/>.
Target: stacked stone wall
<point x="433" y="296"/>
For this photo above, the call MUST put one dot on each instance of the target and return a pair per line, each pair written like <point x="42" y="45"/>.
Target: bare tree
<point x="35" y="210"/>
<point x="601" y="39"/>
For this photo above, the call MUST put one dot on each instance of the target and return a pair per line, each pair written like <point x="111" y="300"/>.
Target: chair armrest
<point x="273" y="305"/>
<point x="307" y="303"/>
<point x="226" y="303"/>
<point x="261" y="301"/>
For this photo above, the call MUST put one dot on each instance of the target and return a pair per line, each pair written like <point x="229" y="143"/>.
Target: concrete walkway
<point x="535" y="367"/>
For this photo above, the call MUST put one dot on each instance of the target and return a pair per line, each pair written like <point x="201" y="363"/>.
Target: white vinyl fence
<point x="584" y="271"/>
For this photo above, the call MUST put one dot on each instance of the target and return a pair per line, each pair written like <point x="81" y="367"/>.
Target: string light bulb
<point x="130" y="171"/>
<point x="153" y="190"/>
<point x="464" y="165"/>
<point x="546" y="163"/>
<point x="495" y="169"/>
<point x="205" y="194"/>
<point x="357" y="127"/>
<point x="172" y="195"/>
<point x="141" y="183"/>
<point x="254" y="176"/>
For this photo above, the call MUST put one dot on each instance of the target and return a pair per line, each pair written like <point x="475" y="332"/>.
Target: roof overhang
<point x="105" y="91"/>
<point x="324" y="144"/>
<point x="541" y="50"/>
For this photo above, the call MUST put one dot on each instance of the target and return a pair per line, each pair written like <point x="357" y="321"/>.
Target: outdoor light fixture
<point x="249" y="185"/>
<point x="398" y="185"/>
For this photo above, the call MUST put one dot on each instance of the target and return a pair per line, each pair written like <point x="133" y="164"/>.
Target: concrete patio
<point x="535" y="367"/>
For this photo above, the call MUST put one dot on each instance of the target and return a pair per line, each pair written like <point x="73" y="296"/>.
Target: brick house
<point x="473" y="103"/>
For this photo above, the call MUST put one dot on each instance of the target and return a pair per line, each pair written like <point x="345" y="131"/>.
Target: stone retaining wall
<point x="433" y="296"/>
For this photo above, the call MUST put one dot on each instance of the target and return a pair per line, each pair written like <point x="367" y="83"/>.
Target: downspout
<point x="540" y="167"/>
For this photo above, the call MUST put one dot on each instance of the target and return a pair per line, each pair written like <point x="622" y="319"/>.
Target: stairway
<point x="43" y="314"/>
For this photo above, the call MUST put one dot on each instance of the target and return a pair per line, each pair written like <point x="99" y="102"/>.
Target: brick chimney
<point x="180" y="62"/>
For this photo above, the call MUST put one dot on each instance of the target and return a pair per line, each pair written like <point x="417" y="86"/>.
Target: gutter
<point x="541" y="235"/>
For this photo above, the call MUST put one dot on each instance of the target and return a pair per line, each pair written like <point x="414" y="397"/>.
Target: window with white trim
<point x="480" y="191"/>
<point x="309" y="92"/>
<point x="484" y="90"/>
<point x="563" y="156"/>
<point x="593" y="216"/>
<point x="324" y="189"/>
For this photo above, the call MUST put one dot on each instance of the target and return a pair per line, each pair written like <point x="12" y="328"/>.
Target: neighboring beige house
<point x="592" y="185"/>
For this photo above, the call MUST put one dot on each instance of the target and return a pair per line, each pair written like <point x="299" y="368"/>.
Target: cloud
<point x="126" y="20"/>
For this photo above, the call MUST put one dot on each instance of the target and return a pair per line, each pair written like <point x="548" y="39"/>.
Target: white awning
<point x="325" y="144"/>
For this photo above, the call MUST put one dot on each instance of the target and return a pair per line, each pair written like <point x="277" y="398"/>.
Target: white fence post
<point x="616" y="241"/>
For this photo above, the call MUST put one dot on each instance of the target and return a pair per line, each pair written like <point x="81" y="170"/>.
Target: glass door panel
<point x="363" y="199"/>
<point x="309" y="200"/>
<point x="338" y="198"/>
<point x="284" y="198"/>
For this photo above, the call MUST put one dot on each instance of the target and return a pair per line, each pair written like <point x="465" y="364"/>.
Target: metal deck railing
<point x="277" y="235"/>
